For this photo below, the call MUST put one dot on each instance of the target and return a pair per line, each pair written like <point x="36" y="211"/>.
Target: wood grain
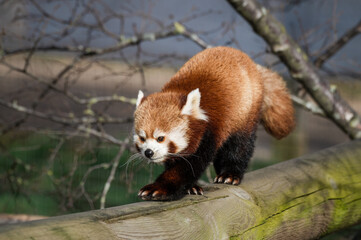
<point x="303" y="198"/>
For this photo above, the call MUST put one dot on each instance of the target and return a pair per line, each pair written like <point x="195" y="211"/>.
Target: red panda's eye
<point x="142" y="139"/>
<point x="160" y="139"/>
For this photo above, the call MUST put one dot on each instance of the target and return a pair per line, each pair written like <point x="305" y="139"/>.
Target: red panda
<point x="209" y="111"/>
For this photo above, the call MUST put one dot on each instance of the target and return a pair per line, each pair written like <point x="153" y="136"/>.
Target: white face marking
<point x="192" y="106"/>
<point x="160" y="149"/>
<point x="177" y="135"/>
<point x="142" y="134"/>
<point x="158" y="133"/>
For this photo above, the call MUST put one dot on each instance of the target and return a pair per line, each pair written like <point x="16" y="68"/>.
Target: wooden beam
<point x="303" y="198"/>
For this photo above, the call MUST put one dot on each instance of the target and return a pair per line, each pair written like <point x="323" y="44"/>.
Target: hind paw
<point x="228" y="178"/>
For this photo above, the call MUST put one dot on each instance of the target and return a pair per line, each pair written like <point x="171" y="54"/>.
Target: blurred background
<point x="70" y="72"/>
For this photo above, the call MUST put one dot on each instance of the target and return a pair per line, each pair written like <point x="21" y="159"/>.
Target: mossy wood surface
<point x="302" y="198"/>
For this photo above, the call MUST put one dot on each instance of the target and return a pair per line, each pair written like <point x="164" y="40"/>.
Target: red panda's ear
<point x="140" y="97"/>
<point x="192" y="106"/>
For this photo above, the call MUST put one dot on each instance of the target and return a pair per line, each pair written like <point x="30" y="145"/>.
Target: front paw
<point x="158" y="192"/>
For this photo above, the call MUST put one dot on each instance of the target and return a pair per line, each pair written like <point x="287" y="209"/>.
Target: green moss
<point x="62" y="233"/>
<point x="335" y="199"/>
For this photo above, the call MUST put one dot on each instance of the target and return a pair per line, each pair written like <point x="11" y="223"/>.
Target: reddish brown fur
<point x="166" y="108"/>
<point x="232" y="92"/>
<point x="195" y="133"/>
<point x="233" y="89"/>
<point x="236" y="95"/>
<point x="172" y="148"/>
<point x="277" y="110"/>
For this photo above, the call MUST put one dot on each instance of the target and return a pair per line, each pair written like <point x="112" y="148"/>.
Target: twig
<point x="85" y="52"/>
<point x="71" y="96"/>
<point x="332" y="50"/>
<point x="101" y="135"/>
<point x="62" y="120"/>
<point x="85" y="178"/>
<point x="309" y="106"/>
<point x="112" y="174"/>
<point x="181" y="29"/>
<point x="54" y="152"/>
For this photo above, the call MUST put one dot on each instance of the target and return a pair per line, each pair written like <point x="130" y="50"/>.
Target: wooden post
<point x="303" y="198"/>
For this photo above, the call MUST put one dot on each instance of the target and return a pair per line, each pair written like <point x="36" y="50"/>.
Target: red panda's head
<point x="164" y="124"/>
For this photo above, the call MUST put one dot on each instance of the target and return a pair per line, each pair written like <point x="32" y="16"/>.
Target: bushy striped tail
<point x="277" y="111"/>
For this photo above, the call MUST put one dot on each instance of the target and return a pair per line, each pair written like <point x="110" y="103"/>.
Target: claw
<point x="236" y="181"/>
<point x="155" y="193"/>
<point x="195" y="190"/>
<point x="228" y="180"/>
<point x="144" y="193"/>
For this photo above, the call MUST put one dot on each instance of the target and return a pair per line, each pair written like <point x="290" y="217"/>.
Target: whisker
<point x="137" y="158"/>
<point x="134" y="157"/>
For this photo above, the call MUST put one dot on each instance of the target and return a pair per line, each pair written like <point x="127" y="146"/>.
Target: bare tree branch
<point x="309" y="106"/>
<point x="71" y="121"/>
<point x="101" y="135"/>
<point x="112" y="174"/>
<point x="181" y="29"/>
<point x="85" y="52"/>
<point x="335" y="47"/>
<point x="274" y="33"/>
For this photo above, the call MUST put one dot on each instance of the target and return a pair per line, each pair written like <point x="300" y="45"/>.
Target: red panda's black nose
<point x="149" y="153"/>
